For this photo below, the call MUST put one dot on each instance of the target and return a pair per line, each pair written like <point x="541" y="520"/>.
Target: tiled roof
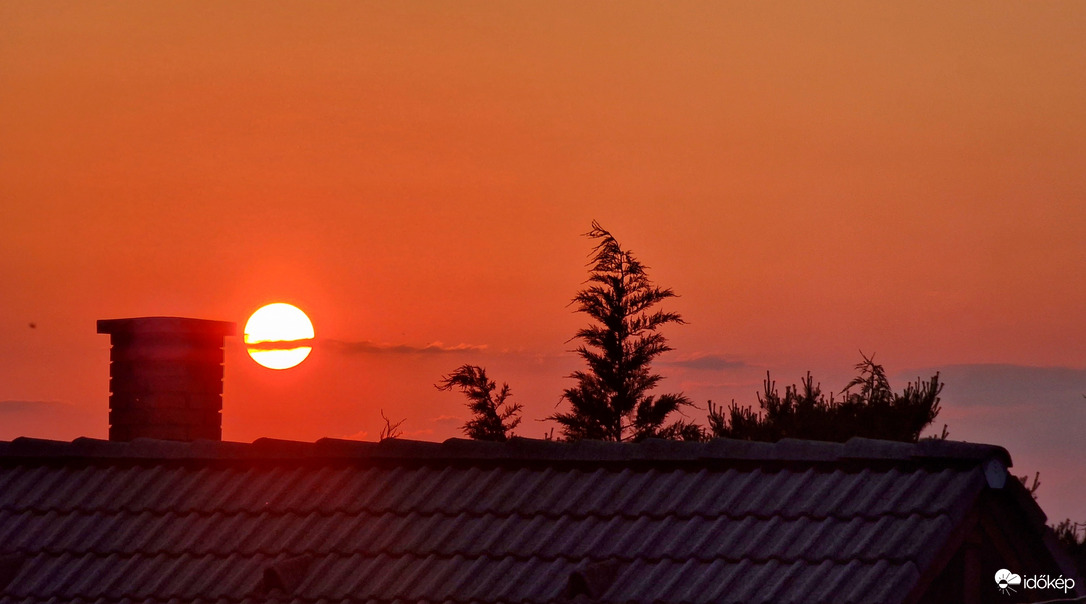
<point x="462" y="521"/>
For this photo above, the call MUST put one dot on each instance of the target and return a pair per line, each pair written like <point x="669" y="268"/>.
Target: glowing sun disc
<point x="279" y="336"/>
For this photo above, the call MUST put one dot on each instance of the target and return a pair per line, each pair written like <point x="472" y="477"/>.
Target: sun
<point x="279" y="336"/>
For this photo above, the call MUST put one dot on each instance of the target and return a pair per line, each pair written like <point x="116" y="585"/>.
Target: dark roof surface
<point x="460" y="521"/>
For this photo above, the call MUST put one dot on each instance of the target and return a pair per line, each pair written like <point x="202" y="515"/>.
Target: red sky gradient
<point x="814" y="179"/>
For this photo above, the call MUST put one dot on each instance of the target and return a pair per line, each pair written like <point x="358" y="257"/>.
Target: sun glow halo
<point x="279" y="336"/>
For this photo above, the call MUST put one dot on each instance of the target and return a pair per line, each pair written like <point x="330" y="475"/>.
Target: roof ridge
<point x="516" y="449"/>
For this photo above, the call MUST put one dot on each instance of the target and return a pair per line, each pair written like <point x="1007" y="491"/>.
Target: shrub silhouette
<point x="873" y="410"/>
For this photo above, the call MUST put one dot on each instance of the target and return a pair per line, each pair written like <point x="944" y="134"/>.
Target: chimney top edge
<point x="166" y="325"/>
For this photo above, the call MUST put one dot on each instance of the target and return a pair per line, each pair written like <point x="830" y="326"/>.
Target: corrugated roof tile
<point x="725" y="493"/>
<point x="529" y="491"/>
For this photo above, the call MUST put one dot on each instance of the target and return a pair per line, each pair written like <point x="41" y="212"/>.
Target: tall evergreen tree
<point x="493" y="416"/>
<point x="611" y="399"/>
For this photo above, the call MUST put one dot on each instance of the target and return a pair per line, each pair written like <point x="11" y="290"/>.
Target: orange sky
<point x="812" y="178"/>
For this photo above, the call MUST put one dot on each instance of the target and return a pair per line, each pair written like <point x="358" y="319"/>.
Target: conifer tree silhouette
<point x="493" y="416"/>
<point x="611" y="399"/>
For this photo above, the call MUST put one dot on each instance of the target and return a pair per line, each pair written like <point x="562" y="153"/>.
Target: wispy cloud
<point x="706" y="362"/>
<point x="50" y="419"/>
<point x="368" y="347"/>
<point x="753" y="385"/>
<point x="990" y="385"/>
<point x="280" y="344"/>
<point x="20" y="407"/>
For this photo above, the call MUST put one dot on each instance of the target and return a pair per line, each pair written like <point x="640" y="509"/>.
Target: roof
<point x="459" y="521"/>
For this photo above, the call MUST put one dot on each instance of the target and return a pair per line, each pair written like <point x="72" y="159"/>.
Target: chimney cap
<point x="166" y="326"/>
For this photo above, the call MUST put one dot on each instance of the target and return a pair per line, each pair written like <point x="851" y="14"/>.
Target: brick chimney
<point x="165" y="377"/>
